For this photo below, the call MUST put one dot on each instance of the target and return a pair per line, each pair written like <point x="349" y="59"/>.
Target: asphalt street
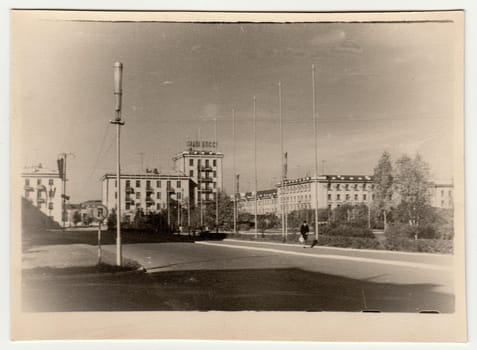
<point x="236" y="275"/>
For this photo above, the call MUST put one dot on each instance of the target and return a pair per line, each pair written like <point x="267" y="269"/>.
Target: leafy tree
<point x="267" y="221"/>
<point x="412" y="184"/>
<point x="111" y="221"/>
<point x="383" y="185"/>
<point x="76" y="217"/>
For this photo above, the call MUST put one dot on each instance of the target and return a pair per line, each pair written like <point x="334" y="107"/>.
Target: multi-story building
<point x="42" y="188"/>
<point x="333" y="191"/>
<point x="150" y="192"/>
<point x="204" y="168"/>
<point x="442" y="195"/>
<point x="267" y="202"/>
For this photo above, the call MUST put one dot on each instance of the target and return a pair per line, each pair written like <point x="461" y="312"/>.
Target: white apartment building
<point x="333" y="191"/>
<point x="150" y="192"/>
<point x="267" y="202"/>
<point x="42" y="188"/>
<point x="442" y="195"/>
<point x="204" y="168"/>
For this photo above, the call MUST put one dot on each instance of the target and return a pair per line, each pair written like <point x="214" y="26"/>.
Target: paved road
<point x="239" y="275"/>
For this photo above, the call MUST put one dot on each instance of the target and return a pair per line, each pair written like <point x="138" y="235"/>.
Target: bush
<point x="347" y="231"/>
<point x="426" y="231"/>
<point x="418" y="245"/>
<point x="349" y="242"/>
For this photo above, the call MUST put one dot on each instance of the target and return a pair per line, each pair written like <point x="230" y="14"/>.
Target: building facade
<point x="204" y="168"/>
<point x="332" y="190"/>
<point x="442" y="195"/>
<point x="267" y="202"/>
<point x="149" y="192"/>
<point x="42" y="188"/>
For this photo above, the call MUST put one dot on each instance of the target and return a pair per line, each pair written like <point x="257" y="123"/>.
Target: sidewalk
<point x="64" y="256"/>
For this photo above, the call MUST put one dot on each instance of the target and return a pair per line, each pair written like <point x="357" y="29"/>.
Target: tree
<point x="226" y="209"/>
<point x="383" y="185"/>
<point x="412" y="184"/>
<point x="76" y="217"/>
<point x="112" y="220"/>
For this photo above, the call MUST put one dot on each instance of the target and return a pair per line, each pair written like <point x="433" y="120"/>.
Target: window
<point x="138" y="183"/>
<point x="214" y="174"/>
<point x="158" y="195"/>
<point x="38" y="181"/>
<point x="178" y="195"/>
<point x="158" y="183"/>
<point x="214" y="162"/>
<point x="178" y="184"/>
<point x="158" y="205"/>
<point x="191" y="162"/>
<point x="338" y="197"/>
<point x="198" y="162"/>
<point x="148" y="183"/>
<point x="215" y="184"/>
<point x="329" y="196"/>
<point x="138" y="195"/>
<point x="128" y="183"/>
<point x="442" y="203"/>
<point x="355" y="197"/>
<point x="207" y="163"/>
<point x="168" y="184"/>
<point x="365" y="197"/>
<point x="50" y="206"/>
<point x="115" y="195"/>
<point x="347" y="197"/>
<point x="128" y="206"/>
<point x="346" y="187"/>
<point x="337" y="187"/>
<point x="27" y="182"/>
<point x="191" y="173"/>
<point x="50" y="182"/>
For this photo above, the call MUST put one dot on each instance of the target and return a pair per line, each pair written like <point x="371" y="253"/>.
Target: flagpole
<point x="315" y="128"/>
<point x="255" y="160"/>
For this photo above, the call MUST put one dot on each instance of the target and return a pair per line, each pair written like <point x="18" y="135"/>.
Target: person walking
<point x="304" y="229"/>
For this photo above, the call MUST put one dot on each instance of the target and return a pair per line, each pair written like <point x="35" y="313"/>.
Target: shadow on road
<point x="287" y="289"/>
<point x="41" y="237"/>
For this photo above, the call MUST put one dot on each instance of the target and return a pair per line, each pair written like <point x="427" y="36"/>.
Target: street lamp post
<point x="235" y="172"/>
<point x="118" y="73"/>
<point x="255" y="163"/>
<point x="282" y="187"/>
<point x="315" y="129"/>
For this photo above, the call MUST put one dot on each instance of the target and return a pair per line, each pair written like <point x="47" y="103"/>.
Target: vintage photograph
<point x="238" y="166"/>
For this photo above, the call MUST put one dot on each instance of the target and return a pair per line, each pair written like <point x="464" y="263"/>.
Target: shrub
<point x="347" y="231"/>
<point x="349" y="242"/>
<point x="426" y="231"/>
<point x="418" y="245"/>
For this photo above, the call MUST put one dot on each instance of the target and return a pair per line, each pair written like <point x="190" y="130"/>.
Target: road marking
<point x="335" y="257"/>
<point x="339" y="248"/>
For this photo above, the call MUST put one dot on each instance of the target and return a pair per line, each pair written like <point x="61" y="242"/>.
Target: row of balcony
<point x="148" y="189"/>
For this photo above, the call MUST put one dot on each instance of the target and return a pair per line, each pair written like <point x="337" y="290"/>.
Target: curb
<point x="139" y="270"/>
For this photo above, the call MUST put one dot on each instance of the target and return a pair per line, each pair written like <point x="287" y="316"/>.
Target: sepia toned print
<point x="246" y="172"/>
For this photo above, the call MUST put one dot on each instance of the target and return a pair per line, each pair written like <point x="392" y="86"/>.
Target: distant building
<point x="150" y="192"/>
<point x="204" y="168"/>
<point x="333" y="191"/>
<point x="42" y="188"/>
<point x="442" y="195"/>
<point x="267" y="202"/>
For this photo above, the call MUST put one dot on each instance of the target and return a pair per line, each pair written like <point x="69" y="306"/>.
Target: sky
<point x="379" y="87"/>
